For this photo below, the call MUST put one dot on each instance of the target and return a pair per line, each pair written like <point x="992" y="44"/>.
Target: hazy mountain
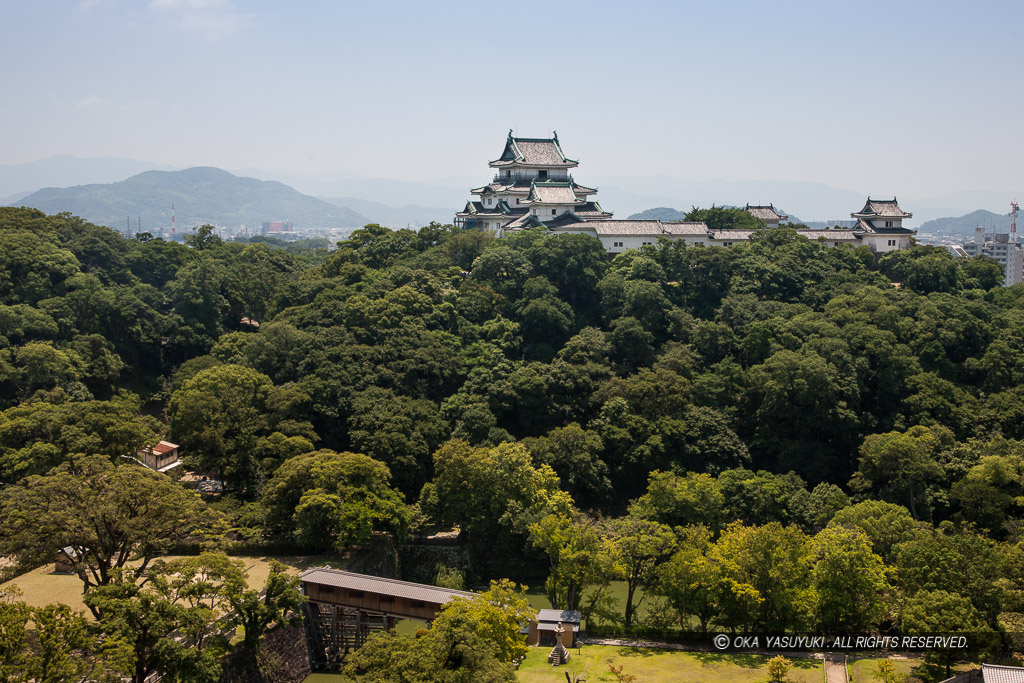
<point x="813" y="201"/>
<point x="964" y="225"/>
<point x="14" y="199"/>
<point x="659" y="213"/>
<point x="384" y="191"/>
<point x="200" y="195"/>
<point x="63" y="170"/>
<point x="396" y="217"/>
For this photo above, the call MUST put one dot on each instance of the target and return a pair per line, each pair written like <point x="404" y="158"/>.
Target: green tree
<point x="778" y="669"/>
<point x="900" y="464"/>
<point x="108" y="515"/>
<point x="886" y="524"/>
<point x="691" y="580"/>
<point x="142" y="619"/>
<point x="575" y="454"/>
<point x="885" y="671"/>
<point x="256" y="611"/>
<point x="679" y="500"/>
<point x="849" y="581"/>
<point x="931" y="612"/>
<point x="640" y="547"/>
<point x="576" y="553"/>
<point x="489" y="492"/>
<point x="35" y="437"/>
<point x="334" y="500"/>
<point x="722" y="218"/>
<point x="472" y="640"/>
<point x="400" y="431"/>
<point x="768" y="571"/>
<point x="219" y="416"/>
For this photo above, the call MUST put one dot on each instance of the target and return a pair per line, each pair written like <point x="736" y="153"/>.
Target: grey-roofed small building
<point x="989" y="673"/>
<point x="768" y="214"/>
<point x="994" y="673"/>
<point x="542" y="630"/>
<point x="880" y="225"/>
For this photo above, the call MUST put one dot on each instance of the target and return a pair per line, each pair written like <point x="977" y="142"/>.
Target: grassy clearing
<point x="42" y="587"/>
<point x="664" y="666"/>
<point x="862" y="670"/>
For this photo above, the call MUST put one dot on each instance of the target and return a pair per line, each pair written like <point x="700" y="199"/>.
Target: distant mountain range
<point x="439" y="198"/>
<point x="63" y="170"/>
<point x="964" y="225"/>
<point x="659" y="213"/>
<point x="200" y="195"/>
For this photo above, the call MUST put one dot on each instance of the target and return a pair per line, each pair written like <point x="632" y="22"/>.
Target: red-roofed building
<point x="161" y="457"/>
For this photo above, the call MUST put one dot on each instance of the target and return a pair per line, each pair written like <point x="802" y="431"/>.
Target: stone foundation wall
<point x="283" y="658"/>
<point x="419" y="560"/>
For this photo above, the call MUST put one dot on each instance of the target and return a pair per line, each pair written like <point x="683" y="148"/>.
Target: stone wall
<point x="283" y="658"/>
<point x="419" y="559"/>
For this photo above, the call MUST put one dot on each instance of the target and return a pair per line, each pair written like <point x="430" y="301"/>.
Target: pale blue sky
<point x="916" y="98"/>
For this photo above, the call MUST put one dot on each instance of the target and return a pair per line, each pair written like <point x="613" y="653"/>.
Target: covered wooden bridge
<point x="345" y="608"/>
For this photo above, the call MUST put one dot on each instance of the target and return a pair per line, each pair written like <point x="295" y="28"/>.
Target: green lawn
<point x="663" y="666"/>
<point x="41" y="586"/>
<point x="862" y="670"/>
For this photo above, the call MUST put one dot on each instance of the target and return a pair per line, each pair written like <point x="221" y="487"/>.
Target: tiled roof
<point x="552" y="193"/>
<point x="590" y="211"/>
<point x="873" y="226"/>
<point x="164" y="447"/>
<point x="564" y="219"/>
<point x="381" y="586"/>
<point x="765" y="213"/>
<point x="881" y="208"/>
<point x="732" y="235"/>
<point x="501" y="209"/>
<point x="992" y="673"/>
<point x="522" y="221"/>
<point x="533" y="152"/>
<point x="829" y="235"/>
<point x="612" y="228"/>
<point x="516" y="187"/>
<point x="559" y="615"/>
<point x="685" y="228"/>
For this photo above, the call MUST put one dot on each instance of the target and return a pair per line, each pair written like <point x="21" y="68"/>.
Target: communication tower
<point x="1013" y="220"/>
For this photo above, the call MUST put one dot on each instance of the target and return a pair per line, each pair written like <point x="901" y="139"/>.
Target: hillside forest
<point x="774" y="436"/>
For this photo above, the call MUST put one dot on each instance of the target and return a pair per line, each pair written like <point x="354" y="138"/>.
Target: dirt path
<point x="835" y="669"/>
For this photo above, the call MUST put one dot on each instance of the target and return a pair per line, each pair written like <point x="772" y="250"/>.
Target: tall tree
<point x="106" y="514"/>
<point x="640" y="547"/>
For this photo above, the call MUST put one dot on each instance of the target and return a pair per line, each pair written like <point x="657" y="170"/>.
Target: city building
<point x="279" y="229"/>
<point x="1000" y="247"/>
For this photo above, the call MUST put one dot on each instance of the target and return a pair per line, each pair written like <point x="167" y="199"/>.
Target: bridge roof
<point x="375" y="584"/>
